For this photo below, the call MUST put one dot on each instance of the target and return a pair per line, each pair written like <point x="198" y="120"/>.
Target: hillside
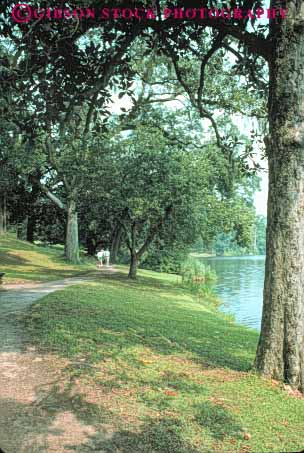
<point x="22" y="261"/>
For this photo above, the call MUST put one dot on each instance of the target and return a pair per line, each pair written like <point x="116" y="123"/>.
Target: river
<point x="239" y="285"/>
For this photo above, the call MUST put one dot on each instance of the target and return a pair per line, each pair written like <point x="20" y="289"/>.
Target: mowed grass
<point x="156" y="370"/>
<point x="22" y="261"/>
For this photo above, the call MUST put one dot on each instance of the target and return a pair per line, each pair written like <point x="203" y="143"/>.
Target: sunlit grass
<point x="164" y="371"/>
<point x="22" y="261"/>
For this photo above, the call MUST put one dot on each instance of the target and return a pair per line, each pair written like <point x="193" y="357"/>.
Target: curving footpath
<point x="28" y="379"/>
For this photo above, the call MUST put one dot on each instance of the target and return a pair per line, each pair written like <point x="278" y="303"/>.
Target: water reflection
<point x="240" y="286"/>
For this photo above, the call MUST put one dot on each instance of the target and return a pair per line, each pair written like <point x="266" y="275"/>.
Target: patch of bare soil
<point x="38" y="411"/>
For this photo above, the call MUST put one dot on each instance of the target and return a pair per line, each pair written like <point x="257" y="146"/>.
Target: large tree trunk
<point x="3" y="214"/>
<point x="133" y="266"/>
<point x="280" y="352"/>
<point x="116" y="240"/>
<point x="71" y="239"/>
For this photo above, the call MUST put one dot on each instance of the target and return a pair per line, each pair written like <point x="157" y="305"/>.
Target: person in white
<point x="107" y="257"/>
<point x="100" y="255"/>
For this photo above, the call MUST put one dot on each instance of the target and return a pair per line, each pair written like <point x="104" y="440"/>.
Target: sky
<point x="260" y="199"/>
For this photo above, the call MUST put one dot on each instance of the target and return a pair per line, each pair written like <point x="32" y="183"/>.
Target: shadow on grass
<point x="154" y="281"/>
<point x="9" y="259"/>
<point x="163" y="435"/>
<point x="178" y="327"/>
<point x="114" y="319"/>
<point x="40" y="263"/>
<point x="115" y="326"/>
<point x="29" y="425"/>
<point x="18" y="424"/>
<point x="218" y="421"/>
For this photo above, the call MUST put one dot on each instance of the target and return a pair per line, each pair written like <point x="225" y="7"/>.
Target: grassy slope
<point x="162" y="371"/>
<point x="22" y="261"/>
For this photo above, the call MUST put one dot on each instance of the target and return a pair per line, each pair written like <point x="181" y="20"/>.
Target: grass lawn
<point x="161" y="371"/>
<point x="22" y="261"/>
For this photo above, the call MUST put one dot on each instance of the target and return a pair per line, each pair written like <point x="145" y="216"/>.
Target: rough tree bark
<point x="71" y="238"/>
<point x="134" y="256"/>
<point x="280" y="352"/>
<point x="116" y="241"/>
<point x="133" y="266"/>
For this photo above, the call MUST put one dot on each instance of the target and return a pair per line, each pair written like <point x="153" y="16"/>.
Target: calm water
<point x="240" y="286"/>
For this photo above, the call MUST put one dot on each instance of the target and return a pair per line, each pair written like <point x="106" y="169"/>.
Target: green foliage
<point x="196" y="276"/>
<point x="226" y="244"/>
<point x="165" y="260"/>
<point x="248" y="238"/>
<point x="153" y="166"/>
<point x="260" y="232"/>
<point x="166" y="255"/>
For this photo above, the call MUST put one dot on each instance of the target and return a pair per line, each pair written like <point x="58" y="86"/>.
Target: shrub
<point x="167" y="259"/>
<point x="196" y="276"/>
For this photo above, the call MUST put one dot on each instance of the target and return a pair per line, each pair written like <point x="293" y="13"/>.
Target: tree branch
<point x="154" y="230"/>
<point x="110" y="66"/>
<point x="217" y="44"/>
<point x="51" y="196"/>
<point x="256" y="44"/>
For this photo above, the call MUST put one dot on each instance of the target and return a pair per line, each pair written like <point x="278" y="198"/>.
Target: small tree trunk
<point x="71" y="239"/>
<point x="280" y="352"/>
<point x="30" y="229"/>
<point x="91" y="245"/>
<point x="133" y="266"/>
<point x="32" y="219"/>
<point x="21" y="229"/>
<point x="116" y="240"/>
<point x="3" y="214"/>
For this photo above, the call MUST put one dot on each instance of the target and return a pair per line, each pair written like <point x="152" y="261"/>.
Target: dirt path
<point x="15" y="299"/>
<point x="28" y="379"/>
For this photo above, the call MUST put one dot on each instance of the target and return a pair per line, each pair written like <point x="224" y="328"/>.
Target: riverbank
<point x="225" y="255"/>
<point x="162" y="371"/>
<point x="239" y="285"/>
<point x="144" y="366"/>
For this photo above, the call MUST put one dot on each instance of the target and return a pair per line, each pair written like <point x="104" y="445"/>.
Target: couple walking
<point x="103" y="255"/>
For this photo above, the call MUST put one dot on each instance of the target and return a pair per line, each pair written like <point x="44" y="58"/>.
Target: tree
<point x="161" y="189"/>
<point x="10" y="178"/>
<point x="56" y="117"/>
<point x="280" y="351"/>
